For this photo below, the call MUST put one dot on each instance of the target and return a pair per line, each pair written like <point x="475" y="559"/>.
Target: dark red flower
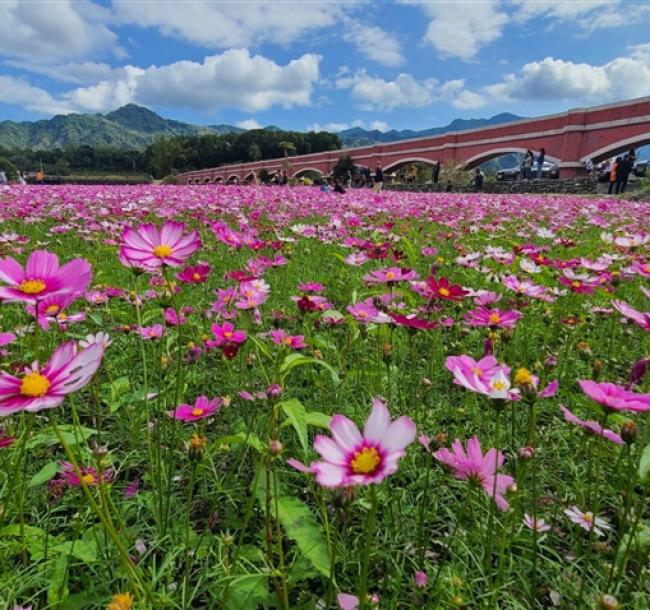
<point x="443" y="289"/>
<point x="413" y="322"/>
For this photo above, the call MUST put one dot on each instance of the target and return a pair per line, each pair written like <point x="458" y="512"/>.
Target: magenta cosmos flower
<point x="281" y="337"/>
<point x="89" y="475"/>
<point x="389" y="275"/>
<point x="591" y="426"/>
<point x="615" y="397"/>
<point x="196" y="274"/>
<point x="67" y="371"/>
<point x="201" y="409"/>
<point x="641" y="318"/>
<point x="42" y="276"/>
<point x="477" y="468"/>
<point x="225" y="334"/>
<point x="351" y="602"/>
<point x="494" y="318"/>
<point x="350" y="458"/>
<point x="150" y="248"/>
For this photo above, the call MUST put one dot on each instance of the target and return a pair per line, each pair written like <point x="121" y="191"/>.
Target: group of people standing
<point x="619" y="172"/>
<point x="530" y="161"/>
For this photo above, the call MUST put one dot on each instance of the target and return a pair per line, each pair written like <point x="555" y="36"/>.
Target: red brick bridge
<point x="569" y="138"/>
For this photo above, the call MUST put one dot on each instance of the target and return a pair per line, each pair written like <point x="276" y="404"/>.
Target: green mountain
<point x="130" y="127"/>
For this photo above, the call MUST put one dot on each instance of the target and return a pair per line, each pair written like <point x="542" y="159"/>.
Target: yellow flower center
<point x="162" y="251"/>
<point x="443" y="292"/>
<point x="88" y="479"/>
<point x="523" y="377"/>
<point x="495" y="318"/>
<point x="362" y="314"/>
<point x="62" y="317"/>
<point x="197" y="412"/>
<point x="227" y="334"/>
<point x="576" y="284"/>
<point x="34" y="384"/>
<point x="32" y="286"/>
<point x="52" y="310"/>
<point x="499" y="385"/>
<point x="390" y="275"/>
<point x="588" y="517"/>
<point x="365" y="461"/>
<point x="646" y="268"/>
<point x="477" y="371"/>
<point x="121" y="601"/>
<point x="287" y="340"/>
<point x="196" y="276"/>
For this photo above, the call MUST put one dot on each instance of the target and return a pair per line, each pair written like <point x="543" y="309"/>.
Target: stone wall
<point x="575" y="186"/>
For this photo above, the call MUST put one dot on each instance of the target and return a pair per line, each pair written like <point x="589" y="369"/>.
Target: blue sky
<point x="403" y="64"/>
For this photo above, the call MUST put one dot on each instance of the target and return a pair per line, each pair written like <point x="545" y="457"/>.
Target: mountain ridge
<point x="135" y="127"/>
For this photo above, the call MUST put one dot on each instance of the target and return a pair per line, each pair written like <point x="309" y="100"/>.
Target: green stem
<point x="365" y="562"/>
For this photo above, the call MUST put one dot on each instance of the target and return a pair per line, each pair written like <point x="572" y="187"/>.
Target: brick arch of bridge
<point x="617" y="148"/>
<point x="304" y="170"/>
<point x="481" y="158"/>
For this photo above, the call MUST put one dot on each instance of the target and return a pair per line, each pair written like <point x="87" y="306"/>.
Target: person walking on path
<point x="436" y="172"/>
<point x="589" y="167"/>
<point x="622" y="173"/>
<point x="379" y="179"/>
<point x="612" y="174"/>
<point x="540" y="163"/>
<point x="3" y="177"/>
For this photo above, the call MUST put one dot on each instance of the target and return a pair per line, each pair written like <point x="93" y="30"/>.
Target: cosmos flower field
<point x="227" y="397"/>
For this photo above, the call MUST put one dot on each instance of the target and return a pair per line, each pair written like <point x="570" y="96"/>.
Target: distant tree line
<point x="170" y="155"/>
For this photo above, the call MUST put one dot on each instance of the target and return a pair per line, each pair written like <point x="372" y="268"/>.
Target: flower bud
<point x="597" y="367"/>
<point x="629" y="432"/>
<point x="526" y="453"/>
<point x="387" y="352"/>
<point x="275" y="447"/>
<point x="195" y="446"/>
<point x="608" y="602"/>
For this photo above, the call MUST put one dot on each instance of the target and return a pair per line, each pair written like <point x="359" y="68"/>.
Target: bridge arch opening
<point x="218" y="179"/>
<point x="507" y="153"/>
<point x="411" y="169"/>
<point x="618" y="148"/>
<point x="233" y="179"/>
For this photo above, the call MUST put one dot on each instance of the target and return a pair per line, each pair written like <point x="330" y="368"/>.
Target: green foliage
<point x="343" y="166"/>
<point x="10" y="170"/>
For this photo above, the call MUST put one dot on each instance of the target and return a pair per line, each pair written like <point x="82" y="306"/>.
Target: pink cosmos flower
<point x="412" y="321"/>
<point x="225" y="334"/>
<point x="494" y="318"/>
<point x="640" y="318"/>
<point x="101" y="338"/>
<point x="477" y="468"/>
<point x="151" y="332"/>
<point x="351" y="602"/>
<point x="615" y="397"/>
<point x="439" y="289"/>
<point x="484" y="369"/>
<point x="587" y="521"/>
<point x="150" y="248"/>
<point x="527" y="288"/>
<point x="310" y="302"/>
<point x="642" y="269"/>
<point x="497" y="387"/>
<point x="67" y="371"/>
<point x="253" y="293"/>
<point x="592" y="426"/>
<point x="6" y="339"/>
<point x="281" y="337"/>
<point x="365" y="312"/>
<point x="311" y="287"/>
<point x="201" y="409"/>
<point x="538" y="525"/>
<point x="420" y="579"/>
<point x="350" y="458"/>
<point x="486" y="297"/>
<point x="89" y="475"/>
<point x="196" y="274"/>
<point x="41" y="277"/>
<point x="389" y="275"/>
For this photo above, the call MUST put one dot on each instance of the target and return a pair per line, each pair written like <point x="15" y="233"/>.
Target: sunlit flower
<point x="281" y="337"/>
<point x="538" y="525"/>
<point x="87" y="475"/>
<point x="41" y="277"/>
<point x="149" y="247"/>
<point x="587" y="521"/>
<point x="350" y="458"/>
<point x="201" y="409"/>
<point x="67" y="371"/>
<point x="615" y="397"/>
<point x="196" y="274"/>
<point x="494" y="318"/>
<point x="591" y="426"/>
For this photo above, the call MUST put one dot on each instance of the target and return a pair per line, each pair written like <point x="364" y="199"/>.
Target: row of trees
<point x="169" y="155"/>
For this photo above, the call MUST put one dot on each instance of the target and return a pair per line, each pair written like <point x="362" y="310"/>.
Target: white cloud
<point x="373" y="42"/>
<point x="558" y="80"/>
<point x="405" y="91"/>
<point x="249" y="124"/>
<point x="78" y="73"/>
<point x="234" y="23"/>
<point x="379" y="125"/>
<point x="461" y="29"/>
<point x="17" y="91"/>
<point x="46" y="32"/>
<point x="233" y="78"/>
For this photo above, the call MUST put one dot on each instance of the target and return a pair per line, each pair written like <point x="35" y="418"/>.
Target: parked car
<point x="549" y="171"/>
<point x="639" y="169"/>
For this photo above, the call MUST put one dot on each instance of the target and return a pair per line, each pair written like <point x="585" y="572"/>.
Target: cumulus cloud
<point x="337" y="127"/>
<point x="249" y="124"/>
<point x="373" y="92"/>
<point x="46" y="32"/>
<point x="374" y="43"/>
<point x="462" y="29"/>
<point x="558" y="80"/>
<point x="379" y="125"/>
<point x="19" y="92"/>
<point x="232" y="79"/>
<point x="231" y="24"/>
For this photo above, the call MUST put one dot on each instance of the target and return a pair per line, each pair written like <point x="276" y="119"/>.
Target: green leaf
<point x="246" y="592"/>
<point x="300" y="526"/>
<point x="58" y="578"/>
<point x="644" y="463"/>
<point x="252" y="440"/>
<point x="294" y="360"/>
<point x="407" y="245"/>
<point x="71" y="434"/>
<point x="318" y="419"/>
<point x="81" y="549"/>
<point x="260" y="346"/>
<point x="44" y="474"/>
<point x="295" y="411"/>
